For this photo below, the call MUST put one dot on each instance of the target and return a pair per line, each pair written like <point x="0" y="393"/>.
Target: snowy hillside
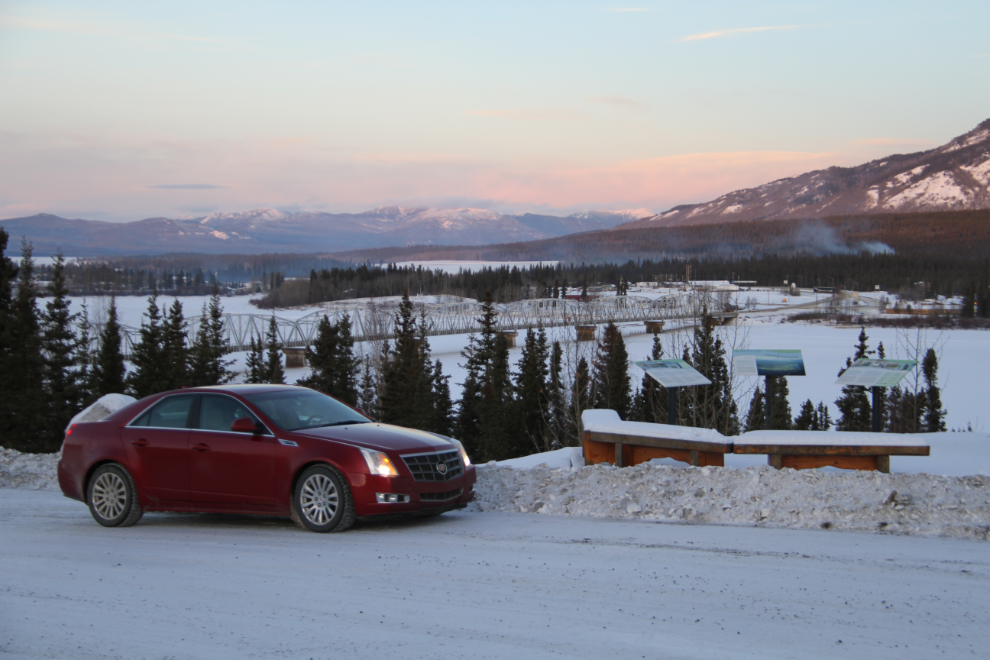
<point x="955" y="176"/>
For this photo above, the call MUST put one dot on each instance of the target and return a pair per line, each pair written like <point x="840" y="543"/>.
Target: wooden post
<point x="775" y="461"/>
<point x="694" y="458"/>
<point x="619" y="458"/>
<point x="883" y="463"/>
<point x="877" y="412"/>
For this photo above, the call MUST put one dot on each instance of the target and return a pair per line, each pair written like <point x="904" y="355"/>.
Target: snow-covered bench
<point x="608" y="439"/>
<point x="803" y="450"/>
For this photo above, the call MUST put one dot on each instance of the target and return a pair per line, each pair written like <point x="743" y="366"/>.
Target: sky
<point x="126" y="110"/>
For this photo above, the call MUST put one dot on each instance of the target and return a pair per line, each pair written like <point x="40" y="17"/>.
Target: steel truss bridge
<point x="374" y="320"/>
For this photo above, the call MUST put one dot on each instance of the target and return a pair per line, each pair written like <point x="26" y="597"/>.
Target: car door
<point x="157" y="448"/>
<point x="227" y="467"/>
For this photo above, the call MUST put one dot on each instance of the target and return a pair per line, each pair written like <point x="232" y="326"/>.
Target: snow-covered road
<point x="477" y="585"/>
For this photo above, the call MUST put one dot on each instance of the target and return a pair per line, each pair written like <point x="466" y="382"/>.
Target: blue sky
<point x="124" y="110"/>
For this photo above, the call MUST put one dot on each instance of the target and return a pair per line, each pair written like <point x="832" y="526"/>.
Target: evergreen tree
<point x="498" y="439"/>
<point x="256" y="371"/>
<point x="332" y="360"/>
<point x="781" y="415"/>
<point x="85" y="357"/>
<point x="807" y="419"/>
<point x="274" y="371"/>
<point x="934" y="415"/>
<point x="369" y="391"/>
<point x="611" y="380"/>
<point x="442" y="413"/>
<point x="580" y="400"/>
<point x="174" y="347"/>
<point x="478" y="356"/>
<point x="207" y="360"/>
<point x="60" y="346"/>
<point x="653" y="396"/>
<point x="558" y="398"/>
<point x="407" y="389"/>
<point x="532" y="390"/>
<point x="756" y="418"/>
<point x="824" y="420"/>
<point x="710" y="406"/>
<point x="151" y="368"/>
<point x="854" y="405"/>
<point x="8" y="377"/>
<point x="109" y="370"/>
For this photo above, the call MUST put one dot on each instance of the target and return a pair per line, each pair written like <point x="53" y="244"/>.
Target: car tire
<point x="321" y="501"/>
<point x="112" y="497"/>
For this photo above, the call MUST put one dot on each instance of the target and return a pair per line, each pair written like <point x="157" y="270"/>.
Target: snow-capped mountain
<point x="270" y="230"/>
<point x="955" y="176"/>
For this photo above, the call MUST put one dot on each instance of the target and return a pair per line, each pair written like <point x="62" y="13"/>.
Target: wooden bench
<point x="608" y="439"/>
<point x="803" y="450"/>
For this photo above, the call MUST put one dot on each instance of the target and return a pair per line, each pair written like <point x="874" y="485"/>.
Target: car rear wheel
<point x="322" y="501"/>
<point x="112" y="497"/>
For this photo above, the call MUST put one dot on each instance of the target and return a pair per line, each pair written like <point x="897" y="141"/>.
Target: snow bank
<point x="846" y="438"/>
<point x="568" y="458"/>
<point x="608" y="421"/>
<point x="31" y="471"/>
<point x="105" y="405"/>
<point x="761" y="496"/>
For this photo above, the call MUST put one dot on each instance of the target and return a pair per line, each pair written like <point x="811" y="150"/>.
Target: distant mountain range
<point x="269" y="230"/>
<point x="953" y="177"/>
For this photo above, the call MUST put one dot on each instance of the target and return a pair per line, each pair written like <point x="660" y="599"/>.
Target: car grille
<point x="440" y="497"/>
<point x="424" y="467"/>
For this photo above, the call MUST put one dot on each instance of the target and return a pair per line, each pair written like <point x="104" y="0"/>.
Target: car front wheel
<point x="112" y="497"/>
<point x="322" y="501"/>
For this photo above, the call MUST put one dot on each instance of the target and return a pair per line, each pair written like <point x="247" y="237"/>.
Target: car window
<point x="217" y="413"/>
<point x="170" y="413"/>
<point x="296" y="409"/>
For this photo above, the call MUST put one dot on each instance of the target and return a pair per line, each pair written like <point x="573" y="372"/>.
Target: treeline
<point x="53" y="364"/>
<point x="915" y="277"/>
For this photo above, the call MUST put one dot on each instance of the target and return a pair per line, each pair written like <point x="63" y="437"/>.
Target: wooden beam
<point x="669" y="443"/>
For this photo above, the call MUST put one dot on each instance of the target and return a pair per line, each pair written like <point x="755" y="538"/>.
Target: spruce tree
<point x="653" y="396"/>
<point x="274" y="371"/>
<point x="532" y="390"/>
<point x="85" y="359"/>
<point x="368" y="401"/>
<point x="478" y="356"/>
<point x="8" y="377"/>
<point x="24" y="412"/>
<point x="208" y="363"/>
<point x="807" y="419"/>
<point x="442" y="413"/>
<point x="934" y="415"/>
<point x="824" y="420"/>
<point x="710" y="406"/>
<point x="407" y="389"/>
<point x="756" y="418"/>
<point x="780" y="418"/>
<point x="854" y="405"/>
<point x="499" y="438"/>
<point x="611" y="380"/>
<point x="255" y="369"/>
<point x="151" y="367"/>
<point x="174" y="347"/>
<point x="332" y="360"/>
<point x="109" y="370"/>
<point x="60" y="346"/>
<point x="580" y="400"/>
<point x="558" y="398"/>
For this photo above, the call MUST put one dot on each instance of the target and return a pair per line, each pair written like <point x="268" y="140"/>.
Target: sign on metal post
<point x="673" y="373"/>
<point x="868" y="372"/>
<point x="756" y="362"/>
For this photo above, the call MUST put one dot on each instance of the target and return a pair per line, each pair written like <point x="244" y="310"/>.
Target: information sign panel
<point x="673" y="373"/>
<point x="755" y="362"/>
<point x="876" y="373"/>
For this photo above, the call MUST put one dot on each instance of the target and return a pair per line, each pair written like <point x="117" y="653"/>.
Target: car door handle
<point x="201" y="447"/>
<point x="140" y="442"/>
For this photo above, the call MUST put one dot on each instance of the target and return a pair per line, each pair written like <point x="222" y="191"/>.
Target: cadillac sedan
<point x="260" y="449"/>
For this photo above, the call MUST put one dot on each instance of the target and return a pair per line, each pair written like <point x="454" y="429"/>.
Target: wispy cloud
<point x="627" y="9"/>
<point x="93" y="29"/>
<point x="893" y="142"/>
<point x="186" y="186"/>
<point x="530" y="114"/>
<point x="619" y="101"/>
<point x="728" y="33"/>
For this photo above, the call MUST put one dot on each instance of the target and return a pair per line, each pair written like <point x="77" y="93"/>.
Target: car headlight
<point x="379" y="463"/>
<point x="460" y="448"/>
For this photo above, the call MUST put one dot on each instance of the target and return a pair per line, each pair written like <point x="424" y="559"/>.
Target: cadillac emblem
<point x="442" y="468"/>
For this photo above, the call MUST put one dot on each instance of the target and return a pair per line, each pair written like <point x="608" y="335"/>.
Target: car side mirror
<point x="244" y="425"/>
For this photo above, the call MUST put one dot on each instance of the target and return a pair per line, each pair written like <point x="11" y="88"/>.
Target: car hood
<point x="380" y="436"/>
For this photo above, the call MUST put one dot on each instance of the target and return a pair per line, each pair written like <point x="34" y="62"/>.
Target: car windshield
<point x="297" y="409"/>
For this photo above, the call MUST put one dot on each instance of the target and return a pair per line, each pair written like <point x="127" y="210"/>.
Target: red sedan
<point x="259" y="449"/>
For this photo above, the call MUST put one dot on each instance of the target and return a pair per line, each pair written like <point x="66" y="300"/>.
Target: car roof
<point x="241" y="389"/>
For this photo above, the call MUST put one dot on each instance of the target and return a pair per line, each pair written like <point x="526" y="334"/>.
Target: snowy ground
<point x="479" y="585"/>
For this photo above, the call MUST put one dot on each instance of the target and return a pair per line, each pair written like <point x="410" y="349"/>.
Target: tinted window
<point x="217" y="413"/>
<point x="171" y="413"/>
<point x="299" y="409"/>
<point x="142" y="420"/>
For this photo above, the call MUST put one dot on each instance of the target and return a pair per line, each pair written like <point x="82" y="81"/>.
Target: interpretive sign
<point x="876" y="373"/>
<point x="673" y="373"/>
<point x="755" y="362"/>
